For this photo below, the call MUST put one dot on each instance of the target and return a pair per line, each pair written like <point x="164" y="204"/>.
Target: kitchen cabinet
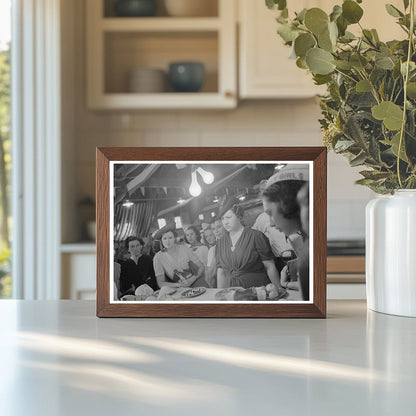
<point x="78" y="264"/>
<point x="118" y="45"/>
<point x="265" y="70"/>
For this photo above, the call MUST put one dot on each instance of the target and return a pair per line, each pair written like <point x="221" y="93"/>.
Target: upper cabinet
<point x="161" y="61"/>
<point x="265" y="69"/>
<point x="264" y="66"/>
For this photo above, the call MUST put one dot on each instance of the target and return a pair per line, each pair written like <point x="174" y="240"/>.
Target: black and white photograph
<point x="198" y="231"/>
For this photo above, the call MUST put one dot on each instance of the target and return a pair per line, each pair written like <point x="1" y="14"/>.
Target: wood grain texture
<point x="317" y="309"/>
<point x="346" y="264"/>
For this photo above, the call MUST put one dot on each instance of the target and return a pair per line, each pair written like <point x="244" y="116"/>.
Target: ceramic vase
<point x="391" y="253"/>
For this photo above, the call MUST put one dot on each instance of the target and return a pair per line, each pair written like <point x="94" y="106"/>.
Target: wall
<point x="253" y="123"/>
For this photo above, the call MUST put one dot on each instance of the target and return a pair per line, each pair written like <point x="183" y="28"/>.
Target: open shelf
<point x="116" y="46"/>
<point x="127" y="51"/>
<point x="209" y="9"/>
<point x="160" y="24"/>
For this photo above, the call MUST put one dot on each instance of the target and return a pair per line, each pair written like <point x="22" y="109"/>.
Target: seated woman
<point x="174" y="263"/>
<point x="281" y="204"/>
<point x="243" y="255"/>
<point x="209" y="237"/>
<point x="193" y="239"/>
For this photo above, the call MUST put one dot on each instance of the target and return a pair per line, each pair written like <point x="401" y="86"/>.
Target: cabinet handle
<point x="229" y="94"/>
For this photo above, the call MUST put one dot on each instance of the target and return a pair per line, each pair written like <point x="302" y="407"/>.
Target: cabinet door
<point x="266" y="71"/>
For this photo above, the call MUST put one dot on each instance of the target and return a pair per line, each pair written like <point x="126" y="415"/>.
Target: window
<point x="5" y="147"/>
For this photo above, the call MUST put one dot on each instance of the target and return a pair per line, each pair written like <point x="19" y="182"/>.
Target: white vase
<point x="391" y="253"/>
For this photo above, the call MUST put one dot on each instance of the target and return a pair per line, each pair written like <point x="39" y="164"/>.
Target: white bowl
<point x="147" y="80"/>
<point x="191" y="8"/>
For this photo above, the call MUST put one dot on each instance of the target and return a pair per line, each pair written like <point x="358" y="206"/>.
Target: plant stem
<point x="406" y="79"/>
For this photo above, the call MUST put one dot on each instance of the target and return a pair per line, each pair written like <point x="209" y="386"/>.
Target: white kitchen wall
<point x="253" y="123"/>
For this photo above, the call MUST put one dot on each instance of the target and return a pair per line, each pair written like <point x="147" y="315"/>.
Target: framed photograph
<point x="211" y="232"/>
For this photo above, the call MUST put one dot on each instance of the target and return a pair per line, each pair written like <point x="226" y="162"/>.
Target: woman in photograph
<point x="193" y="239"/>
<point x="209" y="237"/>
<point x="244" y="257"/>
<point x="281" y="204"/>
<point x="303" y="200"/>
<point x="176" y="265"/>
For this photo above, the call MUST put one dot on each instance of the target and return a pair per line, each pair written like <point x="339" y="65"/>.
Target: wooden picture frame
<point x="315" y="157"/>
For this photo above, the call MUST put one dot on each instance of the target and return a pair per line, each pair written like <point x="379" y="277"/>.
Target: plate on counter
<point x="193" y="292"/>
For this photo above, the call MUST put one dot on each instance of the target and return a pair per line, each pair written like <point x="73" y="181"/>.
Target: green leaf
<point x="301" y="63"/>
<point x="391" y="114"/>
<point x="374" y="175"/>
<point x="359" y="160"/>
<point x="343" y="145"/>
<point x="342" y="25"/>
<point x="336" y="12"/>
<point x="393" y="11"/>
<point x="394" y="143"/>
<point x="384" y="62"/>
<point x="303" y="43"/>
<point x="301" y="15"/>
<point x="347" y="37"/>
<point x="375" y="35"/>
<point x="406" y="4"/>
<point x="345" y="65"/>
<point x="351" y="11"/>
<point x="368" y="36"/>
<point x="325" y="42"/>
<point x="321" y="79"/>
<point x="333" y="32"/>
<point x="276" y="4"/>
<point x="287" y="33"/>
<point x="316" y="20"/>
<point x="319" y="61"/>
<point x="363" y="86"/>
<point x="411" y="90"/>
<point x="358" y="61"/>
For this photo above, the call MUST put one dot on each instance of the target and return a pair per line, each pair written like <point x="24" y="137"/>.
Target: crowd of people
<point x="226" y="253"/>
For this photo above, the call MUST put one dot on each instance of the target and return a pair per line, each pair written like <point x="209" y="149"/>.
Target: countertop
<point x="57" y="358"/>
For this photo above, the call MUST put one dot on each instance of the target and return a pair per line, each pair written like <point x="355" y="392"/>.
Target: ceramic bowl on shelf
<point x="147" y="80"/>
<point x="191" y="8"/>
<point x="186" y="76"/>
<point x="135" y="8"/>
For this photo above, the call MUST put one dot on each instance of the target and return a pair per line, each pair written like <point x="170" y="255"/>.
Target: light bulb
<point x="207" y="177"/>
<point x="128" y="203"/>
<point x="194" y="189"/>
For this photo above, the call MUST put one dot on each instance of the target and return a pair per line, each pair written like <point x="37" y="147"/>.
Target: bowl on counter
<point x="147" y="80"/>
<point x="191" y="8"/>
<point x="135" y="8"/>
<point x="186" y="76"/>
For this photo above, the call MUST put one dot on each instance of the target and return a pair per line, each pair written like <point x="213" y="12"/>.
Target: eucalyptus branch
<point x="346" y="75"/>
<point x="406" y="79"/>
<point x="373" y="88"/>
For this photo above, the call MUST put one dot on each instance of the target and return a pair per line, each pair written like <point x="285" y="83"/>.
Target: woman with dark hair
<point x="303" y="199"/>
<point x="138" y="269"/>
<point x="193" y="239"/>
<point x="176" y="265"/>
<point x="281" y="204"/>
<point x="243" y="255"/>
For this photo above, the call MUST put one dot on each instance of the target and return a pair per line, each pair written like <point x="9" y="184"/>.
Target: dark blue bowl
<point x="186" y="76"/>
<point x="135" y="8"/>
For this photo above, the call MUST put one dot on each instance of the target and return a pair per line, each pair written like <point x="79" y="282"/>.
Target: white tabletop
<point x="57" y="358"/>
